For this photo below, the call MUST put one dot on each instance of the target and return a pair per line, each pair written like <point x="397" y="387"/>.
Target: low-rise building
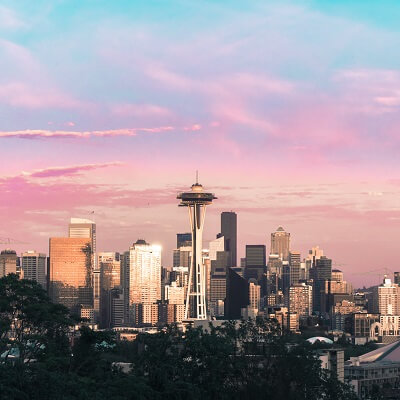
<point x="379" y="368"/>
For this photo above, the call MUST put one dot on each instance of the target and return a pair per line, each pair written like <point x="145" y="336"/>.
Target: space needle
<point x="196" y="201"/>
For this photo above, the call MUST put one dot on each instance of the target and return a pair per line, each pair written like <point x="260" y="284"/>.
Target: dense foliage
<point x="249" y="360"/>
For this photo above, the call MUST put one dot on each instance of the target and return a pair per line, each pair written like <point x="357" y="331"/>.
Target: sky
<point x="289" y="110"/>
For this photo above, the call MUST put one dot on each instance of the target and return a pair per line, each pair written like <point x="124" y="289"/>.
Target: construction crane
<point x="10" y="241"/>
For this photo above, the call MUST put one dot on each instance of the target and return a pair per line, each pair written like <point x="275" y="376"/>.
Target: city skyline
<point x="101" y="106"/>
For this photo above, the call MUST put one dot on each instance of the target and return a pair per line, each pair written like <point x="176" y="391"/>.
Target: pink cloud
<point x="21" y="195"/>
<point x="68" y="171"/>
<point x="46" y="134"/>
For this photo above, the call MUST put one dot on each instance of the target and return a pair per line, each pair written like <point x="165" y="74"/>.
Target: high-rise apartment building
<point x="144" y="276"/>
<point x="254" y="295"/>
<point x="229" y="232"/>
<point x="174" y="294"/>
<point x="386" y="298"/>
<point x="34" y="267"/>
<point x="299" y="299"/>
<point x="280" y="243"/>
<point x="8" y="262"/>
<point x="70" y="272"/>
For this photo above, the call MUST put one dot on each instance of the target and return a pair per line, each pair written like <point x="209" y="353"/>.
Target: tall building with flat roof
<point x="34" y="266"/>
<point x="8" y="262"/>
<point x="280" y="243"/>
<point x="229" y="232"/>
<point x="175" y="294"/>
<point x="299" y="299"/>
<point x="386" y="298"/>
<point x="110" y="278"/>
<point x="237" y="295"/>
<point x="255" y="255"/>
<point x="321" y="272"/>
<point x="86" y="228"/>
<point x="144" y="274"/>
<point x="70" y="272"/>
<point x="295" y="267"/>
<point x="183" y="240"/>
<point x="256" y="267"/>
<point x="83" y="228"/>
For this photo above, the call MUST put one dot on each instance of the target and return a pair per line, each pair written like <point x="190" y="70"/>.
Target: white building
<point x="386" y="299"/>
<point x="175" y="294"/>
<point x="34" y="266"/>
<point x="144" y="273"/>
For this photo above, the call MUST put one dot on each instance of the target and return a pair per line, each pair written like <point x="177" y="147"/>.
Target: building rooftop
<point x="390" y="352"/>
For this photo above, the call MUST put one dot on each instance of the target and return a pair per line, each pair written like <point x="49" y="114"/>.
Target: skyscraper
<point x="175" y="294"/>
<point x="70" y="272"/>
<point x="229" y="232"/>
<point x="280" y="243"/>
<point x="256" y="266"/>
<point x="110" y="278"/>
<point x="144" y="276"/>
<point x="86" y="228"/>
<point x="299" y="299"/>
<point x="83" y="228"/>
<point x="196" y="200"/>
<point x="34" y="267"/>
<point x="386" y="298"/>
<point x="255" y="255"/>
<point x="314" y="254"/>
<point x="219" y="260"/>
<point x="320" y="273"/>
<point x="237" y="295"/>
<point x="183" y="240"/>
<point x="295" y="266"/>
<point x="8" y="262"/>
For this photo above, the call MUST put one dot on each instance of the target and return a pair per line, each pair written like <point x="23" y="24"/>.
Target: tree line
<point x="238" y="360"/>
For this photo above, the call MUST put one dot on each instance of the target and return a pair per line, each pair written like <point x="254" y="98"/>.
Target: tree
<point x="31" y="326"/>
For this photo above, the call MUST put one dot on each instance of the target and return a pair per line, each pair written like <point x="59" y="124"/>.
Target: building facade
<point x="34" y="267"/>
<point x="70" y="272"/>
<point x="280" y="243"/>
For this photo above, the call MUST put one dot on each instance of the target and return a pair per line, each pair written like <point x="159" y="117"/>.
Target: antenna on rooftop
<point x="197" y="176"/>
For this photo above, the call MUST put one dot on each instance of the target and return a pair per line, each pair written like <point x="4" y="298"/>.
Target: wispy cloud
<point x="54" y="134"/>
<point x="53" y="172"/>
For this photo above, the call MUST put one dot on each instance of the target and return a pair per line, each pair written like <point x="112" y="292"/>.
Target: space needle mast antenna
<point x="196" y="201"/>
